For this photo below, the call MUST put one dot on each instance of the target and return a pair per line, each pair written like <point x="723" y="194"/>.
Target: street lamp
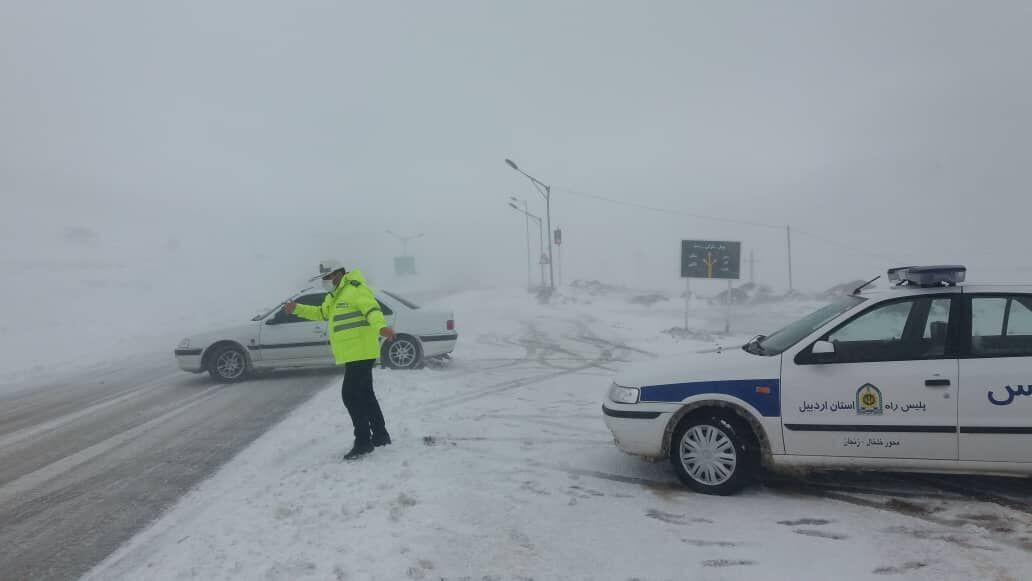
<point x="541" y="237"/>
<point x="527" y="227"/>
<point x="546" y="191"/>
<point x="404" y="241"/>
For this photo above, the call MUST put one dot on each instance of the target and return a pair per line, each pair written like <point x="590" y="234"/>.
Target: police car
<point x="928" y="375"/>
<point x="275" y="340"/>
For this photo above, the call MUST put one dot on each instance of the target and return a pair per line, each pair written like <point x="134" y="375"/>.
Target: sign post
<point x="710" y="259"/>
<point x="559" y="250"/>
<point x="404" y="265"/>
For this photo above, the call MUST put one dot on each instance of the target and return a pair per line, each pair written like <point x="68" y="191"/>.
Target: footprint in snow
<point x="901" y="569"/>
<point x="820" y="534"/>
<point x="805" y="521"/>
<point x="675" y="519"/>
<point x="728" y="563"/>
<point x="702" y="543"/>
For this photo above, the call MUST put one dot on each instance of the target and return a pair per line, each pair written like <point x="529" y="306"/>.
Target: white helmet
<point x="326" y="268"/>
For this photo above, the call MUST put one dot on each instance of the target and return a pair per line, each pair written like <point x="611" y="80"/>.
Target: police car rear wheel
<point x="713" y="454"/>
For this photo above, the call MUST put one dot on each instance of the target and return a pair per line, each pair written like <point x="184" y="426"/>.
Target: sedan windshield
<point x="784" y="338"/>
<point x="401" y="300"/>
<point x="265" y="313"/>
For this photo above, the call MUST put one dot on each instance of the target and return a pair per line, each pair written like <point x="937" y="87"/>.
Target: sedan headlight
<point x="183" y="344"/>
<point x="621" y="394"/>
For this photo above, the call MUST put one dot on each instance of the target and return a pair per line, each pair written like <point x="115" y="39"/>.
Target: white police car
<point x="930" y="375"/>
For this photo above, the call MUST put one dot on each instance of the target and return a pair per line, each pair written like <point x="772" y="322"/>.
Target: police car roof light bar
<point x="897" y="275"/>
<point x="930" y="276"/>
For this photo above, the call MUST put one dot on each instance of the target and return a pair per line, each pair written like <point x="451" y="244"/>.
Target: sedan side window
<point x="1001" y="326"/>
<point x="314" y="300"/>
<point x="897" y="331"/>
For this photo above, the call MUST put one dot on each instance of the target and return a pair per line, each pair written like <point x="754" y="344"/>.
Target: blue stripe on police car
<point x="762" y="394"/>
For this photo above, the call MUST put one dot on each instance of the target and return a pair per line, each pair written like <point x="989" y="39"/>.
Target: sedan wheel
<point x="228" y="364"/>
<point x="403" y="353"/>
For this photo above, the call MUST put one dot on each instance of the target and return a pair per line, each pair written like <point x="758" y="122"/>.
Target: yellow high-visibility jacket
<point x="353" y="317"/>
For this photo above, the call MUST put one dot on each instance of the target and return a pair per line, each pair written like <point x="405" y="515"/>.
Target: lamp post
<point x="546" y="191"/>
<point x="541" y="233"/>
<point x="526" y="221"/>
<point x="405" y="241"/>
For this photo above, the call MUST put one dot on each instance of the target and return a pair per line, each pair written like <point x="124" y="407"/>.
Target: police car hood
<point x="725" y="365"/>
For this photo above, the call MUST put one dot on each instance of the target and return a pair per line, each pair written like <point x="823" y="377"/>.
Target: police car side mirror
<point x="823" y="348"/>
<point x="821" y="352"/>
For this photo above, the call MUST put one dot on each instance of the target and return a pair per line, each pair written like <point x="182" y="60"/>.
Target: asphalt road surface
<point x="87" y="461"/>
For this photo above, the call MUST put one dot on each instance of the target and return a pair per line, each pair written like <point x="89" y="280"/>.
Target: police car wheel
<point x="713" y="453"/>
<point x="228" y="364"/>
<point x="403" y="353"/>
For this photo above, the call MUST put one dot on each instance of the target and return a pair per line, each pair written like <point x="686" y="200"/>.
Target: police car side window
<point x="1001" y="326"/>
<point x="879" y="324"/>
<point x="897" y="331"/>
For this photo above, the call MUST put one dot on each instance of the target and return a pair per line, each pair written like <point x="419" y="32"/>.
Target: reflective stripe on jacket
<point x="353" y="318"/>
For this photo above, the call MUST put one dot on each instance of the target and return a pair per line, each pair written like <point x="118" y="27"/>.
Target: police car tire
<point x="213" y="364"/>
<point x="741" y="438"/>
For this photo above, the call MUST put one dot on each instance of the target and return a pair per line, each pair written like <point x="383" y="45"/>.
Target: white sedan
<point x="274" y="340"/>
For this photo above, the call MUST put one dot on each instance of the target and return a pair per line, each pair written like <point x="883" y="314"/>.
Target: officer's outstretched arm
<point x="320" y="313"/>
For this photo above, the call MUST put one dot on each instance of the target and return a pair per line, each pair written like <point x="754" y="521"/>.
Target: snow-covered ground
<point x="501" y="468"/>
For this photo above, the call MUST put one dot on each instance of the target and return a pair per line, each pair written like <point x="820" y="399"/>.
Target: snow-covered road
<point x="501" y="468"/>
<point x="88" y="460"/>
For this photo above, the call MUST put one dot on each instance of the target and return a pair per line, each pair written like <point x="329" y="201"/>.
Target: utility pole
<point x="788" y="233"/>
<point x="541" y="235"/>
<point x="546" y="191"/>
<point x="526" y="221"/>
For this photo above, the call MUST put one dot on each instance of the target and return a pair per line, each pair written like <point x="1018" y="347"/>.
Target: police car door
<point x="294" y="341"/>
<point x="889" y="390"/>
<point x="996" y="379"/>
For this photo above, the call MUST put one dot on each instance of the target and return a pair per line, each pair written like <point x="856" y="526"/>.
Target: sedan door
<point x="889" y="390"/>
<point x="996" y="379"/>
<point x="289" y="339"/>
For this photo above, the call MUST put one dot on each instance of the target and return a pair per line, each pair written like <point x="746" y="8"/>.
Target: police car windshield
<point x="780" y="340"/>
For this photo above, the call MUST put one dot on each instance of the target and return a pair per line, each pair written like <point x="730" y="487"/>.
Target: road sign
<point x="544" y="258"/>
<point x="404" y="265"/>
<point x="710" y="259"/>
<point x="558" y="236"/>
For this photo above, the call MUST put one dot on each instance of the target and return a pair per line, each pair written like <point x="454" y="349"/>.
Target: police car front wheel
<point x="713" y="453"/>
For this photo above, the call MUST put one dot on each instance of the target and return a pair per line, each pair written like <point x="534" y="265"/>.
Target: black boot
<point x="383" y="439"/>
<point x="358" y="451"/>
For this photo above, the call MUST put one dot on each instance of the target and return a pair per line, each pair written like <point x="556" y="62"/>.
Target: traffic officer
<point x="354" y="324"/>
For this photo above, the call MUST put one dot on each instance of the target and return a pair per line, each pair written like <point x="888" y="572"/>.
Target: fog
<point x="214" y="152"/>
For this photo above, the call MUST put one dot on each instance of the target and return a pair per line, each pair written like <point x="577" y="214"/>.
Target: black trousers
<point x="358" y="396"/>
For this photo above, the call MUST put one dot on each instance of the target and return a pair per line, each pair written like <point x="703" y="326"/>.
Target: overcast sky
<point x="282" y="132"/>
